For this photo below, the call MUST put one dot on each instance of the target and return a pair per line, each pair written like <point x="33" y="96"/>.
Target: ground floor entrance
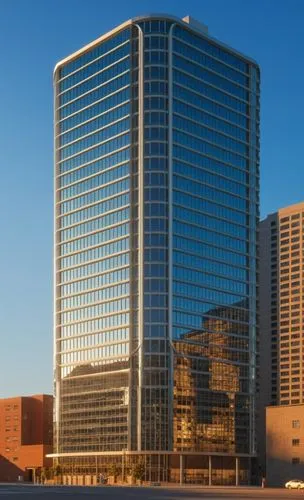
<point x="174" y="467"/>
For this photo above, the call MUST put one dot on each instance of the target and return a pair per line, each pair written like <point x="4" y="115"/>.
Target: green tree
<point x="114" y="471"/>
<point x="57" y="471"/>
<point x="43" y="474"/>
<point x="138" y="470"/>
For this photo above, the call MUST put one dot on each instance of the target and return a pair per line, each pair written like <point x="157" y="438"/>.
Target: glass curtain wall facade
<point x="157" y="202"/>
<point x="93" y="259"/>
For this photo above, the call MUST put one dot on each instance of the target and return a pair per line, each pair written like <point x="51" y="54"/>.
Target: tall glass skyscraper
<point x="156" y="210"/>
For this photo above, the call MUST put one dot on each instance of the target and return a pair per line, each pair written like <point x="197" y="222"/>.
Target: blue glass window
<point x="209" y="120"/>
<point x="100" y="49"/>
<point x="105" y="104"/>
<point x="207" y="76"/>
<point x="95" y="81"/>
<point x="95" y="66"/>
<point x="211" y="63"/>
<point x="209" y="105"/>
<point x="94" y="95"/>
<point x="204" y="147"/>
<point x="88" y="156"/>
<point x="210" y="48"/>
<point x="102" y="135"/>
<point x="194" y="128"/>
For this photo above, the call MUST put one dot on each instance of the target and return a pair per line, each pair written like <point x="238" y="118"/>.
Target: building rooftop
<point x="187" y="21"/>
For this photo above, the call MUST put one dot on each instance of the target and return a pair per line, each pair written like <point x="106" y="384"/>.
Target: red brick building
<point x="26" y="436"/>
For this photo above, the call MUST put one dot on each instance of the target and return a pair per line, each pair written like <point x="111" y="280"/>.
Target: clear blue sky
<point x="34" y="35"/>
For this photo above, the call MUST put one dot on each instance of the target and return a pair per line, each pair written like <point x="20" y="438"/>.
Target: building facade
<point x="26" y="436"/>
<point x="284" y="443"/>
<point x="281" y="286"/>
<point x="281" y="318"/>
<point x="156" y="210"/>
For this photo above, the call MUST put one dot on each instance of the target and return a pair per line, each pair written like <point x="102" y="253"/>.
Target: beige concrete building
<point x="290" y="305"/>
<point x="284" y="443"/>
<point x="281" y="322"/>
<point x="281" y="302"/>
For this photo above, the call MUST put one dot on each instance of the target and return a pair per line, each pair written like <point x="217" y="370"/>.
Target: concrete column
<point x="158" y="471"/>
<point x="181" y="469"/>
<point x="237" y="470"/>
<point x="249" y="471"/>
<point x="210" y="470"/>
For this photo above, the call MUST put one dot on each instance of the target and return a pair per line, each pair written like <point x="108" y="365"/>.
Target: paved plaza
<point x="25" y="492"/>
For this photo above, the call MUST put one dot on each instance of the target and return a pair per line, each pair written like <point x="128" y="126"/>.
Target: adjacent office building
<point x="156" y="212"/>
<point x="26" y="436"/>
<point x="282" y="295"/>
<point x="281" y="322"/>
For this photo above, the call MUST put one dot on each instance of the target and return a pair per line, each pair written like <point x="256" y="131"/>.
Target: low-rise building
<point x="26" y="436"/>
<point x="284" y="443"/>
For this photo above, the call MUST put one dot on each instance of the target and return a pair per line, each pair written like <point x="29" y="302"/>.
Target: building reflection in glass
<point x="211" y="408"/>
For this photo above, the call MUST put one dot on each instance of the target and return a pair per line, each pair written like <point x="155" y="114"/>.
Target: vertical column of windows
<point x="274" y="272"/>
<point x="156" y="353"/>
<point x="93" y="153"/>
<point x="134" y="245"/>
<point x="253" y="209"/>
<point x="291" y="324"/>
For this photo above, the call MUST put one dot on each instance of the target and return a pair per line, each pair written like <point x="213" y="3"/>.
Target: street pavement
<point x="28" y="492"/>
